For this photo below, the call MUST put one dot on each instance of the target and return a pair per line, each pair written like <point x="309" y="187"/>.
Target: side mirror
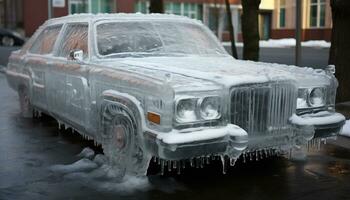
<point x="76" y="54"/>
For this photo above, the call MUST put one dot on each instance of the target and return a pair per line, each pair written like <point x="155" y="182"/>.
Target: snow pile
<point x="346" y="129"/>
<point x="95" y="172"/>
<point x="316" y="43"/>
<point x="287" y="42"/>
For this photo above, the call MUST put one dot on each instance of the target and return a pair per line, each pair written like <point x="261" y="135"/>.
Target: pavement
<point x="30" y="147"/>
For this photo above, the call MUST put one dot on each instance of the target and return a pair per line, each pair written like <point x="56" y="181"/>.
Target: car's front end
<point x="271" y="114"/>
<point x="211" y="104"/>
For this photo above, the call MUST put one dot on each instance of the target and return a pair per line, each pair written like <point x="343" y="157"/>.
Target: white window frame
<point x="279" y="14"/>
<point x="318" y="4"/>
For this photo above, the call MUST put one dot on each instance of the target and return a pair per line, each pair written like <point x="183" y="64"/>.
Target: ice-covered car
<point x="162" y="86"/>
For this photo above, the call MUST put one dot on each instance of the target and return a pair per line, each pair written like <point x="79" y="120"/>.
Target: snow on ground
<point x="346" y="129"/>
<point x="287" y="42"/>
<point x="94" y="171"/>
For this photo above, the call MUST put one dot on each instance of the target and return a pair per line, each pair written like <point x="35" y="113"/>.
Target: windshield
<point x="118" y="39"/>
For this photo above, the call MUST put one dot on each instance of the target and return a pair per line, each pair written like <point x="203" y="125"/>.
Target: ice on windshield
<point x="117" y="38"/>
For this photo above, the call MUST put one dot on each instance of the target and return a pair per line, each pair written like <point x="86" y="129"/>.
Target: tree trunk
<point x="250" y="29"/>
<point x="230" y="28"/>
<point x="340" y="49"/>
<point x="156" y="6"/>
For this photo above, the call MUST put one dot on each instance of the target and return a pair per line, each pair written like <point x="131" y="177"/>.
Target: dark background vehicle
<point x="10" y="38"/>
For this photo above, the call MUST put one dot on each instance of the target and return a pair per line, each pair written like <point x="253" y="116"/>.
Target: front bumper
<point x="325" y="124"/>
<point x="230" y="140"/>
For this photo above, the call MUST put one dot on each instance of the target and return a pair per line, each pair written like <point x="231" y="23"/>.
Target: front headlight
<point x="186" y="110"/>
<point x="311" y="97"/>
<point x="191" y="109"/>
<point x="317" y="97"/>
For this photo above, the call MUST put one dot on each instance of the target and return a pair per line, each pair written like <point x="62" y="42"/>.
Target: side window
<point x="75" y="37"/>
<point x="46" y="40"/>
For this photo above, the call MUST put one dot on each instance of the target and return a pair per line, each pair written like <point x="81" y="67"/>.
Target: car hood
<point x="199" y="71"/>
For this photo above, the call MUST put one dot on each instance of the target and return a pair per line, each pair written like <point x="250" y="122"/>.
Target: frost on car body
<point x="162" y="86"/>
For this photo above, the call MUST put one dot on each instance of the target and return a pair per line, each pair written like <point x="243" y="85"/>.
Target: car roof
<point x="119" y="16"/>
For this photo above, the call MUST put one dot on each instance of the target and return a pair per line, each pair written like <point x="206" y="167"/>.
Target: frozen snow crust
<point x="94" y="171"/>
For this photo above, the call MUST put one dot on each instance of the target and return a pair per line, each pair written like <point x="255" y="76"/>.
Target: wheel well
<point x="120" y="101"/>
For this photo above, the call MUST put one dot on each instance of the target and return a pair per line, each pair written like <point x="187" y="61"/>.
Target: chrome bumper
<point x="230" y="140"/>
<point x="325" y="124"/>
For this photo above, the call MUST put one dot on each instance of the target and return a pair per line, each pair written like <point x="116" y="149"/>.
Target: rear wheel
<point x="25" y="104"/>
<point x="121" y="143"/>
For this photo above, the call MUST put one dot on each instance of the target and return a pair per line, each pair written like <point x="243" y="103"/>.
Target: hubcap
<point x="120" y="136"/>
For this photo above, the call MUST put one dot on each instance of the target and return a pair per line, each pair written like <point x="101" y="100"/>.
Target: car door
<point x="37" y="62"/>
<point x="76" y="91"/>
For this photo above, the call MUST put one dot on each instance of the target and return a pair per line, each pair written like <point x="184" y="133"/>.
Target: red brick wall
<point x="307" y="34"/>
<point x="35" y="13"/>
<point x="125" y="6"/>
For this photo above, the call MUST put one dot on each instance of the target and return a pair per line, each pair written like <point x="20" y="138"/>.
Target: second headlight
<point x="210" y="108"/>
<point x="317" y="97"/>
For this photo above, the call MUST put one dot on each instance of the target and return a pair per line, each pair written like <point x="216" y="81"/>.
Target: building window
<point x="101" y="6"/>
<point x="91" y="6"/>
<point x="317" y="13"/>
<point x="142" y="7"/>
<point x="191" y="10"/>
<point x="78" y="6"/>
<point x="282" y="13"/>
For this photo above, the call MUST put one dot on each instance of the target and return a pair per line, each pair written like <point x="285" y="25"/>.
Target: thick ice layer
<point x="320" y="118"/>
<point x="193" y="135"/>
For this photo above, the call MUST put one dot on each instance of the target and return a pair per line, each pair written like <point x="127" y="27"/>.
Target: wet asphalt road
<point x="29" y="147"/>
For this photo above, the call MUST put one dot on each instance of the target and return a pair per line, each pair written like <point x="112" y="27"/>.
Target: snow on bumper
<point x="230" y="140"/>
<point x="325" y="124"/>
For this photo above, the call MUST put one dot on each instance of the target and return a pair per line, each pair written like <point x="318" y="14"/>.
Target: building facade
<point x="276" y="17"/>
<point x="316" y="20"/>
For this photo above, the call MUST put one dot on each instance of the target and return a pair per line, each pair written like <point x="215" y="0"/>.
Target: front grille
<point x="263" y="109"/>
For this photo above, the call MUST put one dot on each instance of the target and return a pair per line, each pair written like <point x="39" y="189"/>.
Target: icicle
<point x="183" y="164"/>
<point x="202" y="162"/>
<point x="179" y="170"/>
<point x="162" y="167"/>
<point x="191" y="162"/>
<point x="169" y="165"/>
<point x="244" y="155"/>
<point x="256" y="156"/>
<point x="175" y="164"/>
<point x="197" y="162"/>
<point x="232" y="162"/>
<point x="207" y="161"/>
<point x="159" y="161"/>
<point x="250" y="157"/>
<point x="223" y="164"/>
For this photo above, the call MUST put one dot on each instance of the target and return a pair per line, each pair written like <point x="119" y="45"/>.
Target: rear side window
<point x="46" y="40"/>
<point x="75" y="37"/>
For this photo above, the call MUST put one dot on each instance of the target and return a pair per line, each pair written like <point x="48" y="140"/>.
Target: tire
<point x="25" y="104"/>
<point x="121" y="143"/>
<point x="8" y="41"/>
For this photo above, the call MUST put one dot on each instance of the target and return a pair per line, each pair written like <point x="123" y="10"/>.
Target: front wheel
<point x="121" y="144"/>
<point x="8" y="41"/>
<point x="25" y="104"/>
